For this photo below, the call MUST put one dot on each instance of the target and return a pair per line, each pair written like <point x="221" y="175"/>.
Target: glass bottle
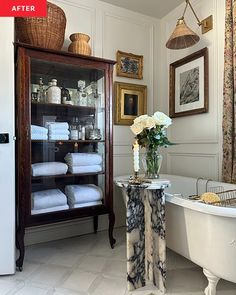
<point x="54" y="93"/>
<point x="74" y="134"/>
<point x="81" y="94"/>
<point x="79" y="131"/>
<point x="65" y="96"/>
<point x="83" y="132"/>
<point x="41" y="91"/>
<point x="34" y="95"/>
<point x="93" y="95"/>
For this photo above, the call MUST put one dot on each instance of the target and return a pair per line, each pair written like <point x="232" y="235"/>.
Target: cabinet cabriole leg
<point x="95" y="224"/>
<point x="20" y="245"/>
<point x="111" y="227"/>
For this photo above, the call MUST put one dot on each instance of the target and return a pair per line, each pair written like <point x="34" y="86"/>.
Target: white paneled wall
<point x="198" y="152"/>
<point x="199" y="139"/>
<point x="111" y="29"/>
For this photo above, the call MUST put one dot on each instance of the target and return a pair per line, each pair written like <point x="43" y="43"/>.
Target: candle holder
<point x="137" y="180"/>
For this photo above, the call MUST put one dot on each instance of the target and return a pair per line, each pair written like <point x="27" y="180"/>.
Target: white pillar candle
<point x="136" y="156"/>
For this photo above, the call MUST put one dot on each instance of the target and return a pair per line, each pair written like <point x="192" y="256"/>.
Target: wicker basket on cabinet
<point x="47" y="32"/>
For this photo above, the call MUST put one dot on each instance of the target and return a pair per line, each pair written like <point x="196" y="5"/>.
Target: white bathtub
<point x="203" y="233"/>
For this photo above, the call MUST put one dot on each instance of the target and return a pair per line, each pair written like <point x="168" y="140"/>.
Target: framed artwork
<point x="131" y="102"/>
<point x="129" y="65"/>
<point x="188" y="93"/>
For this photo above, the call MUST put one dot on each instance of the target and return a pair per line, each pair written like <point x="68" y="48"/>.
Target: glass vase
<point x="152" y="161"/>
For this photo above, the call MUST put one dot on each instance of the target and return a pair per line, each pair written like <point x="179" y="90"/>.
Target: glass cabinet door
<point x="67" y="136"/>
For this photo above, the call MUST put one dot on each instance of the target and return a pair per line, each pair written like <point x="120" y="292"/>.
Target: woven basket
<point x="47" y="32"/>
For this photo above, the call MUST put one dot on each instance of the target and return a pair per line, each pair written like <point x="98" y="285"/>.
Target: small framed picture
<point x="131" y="102"/>
<point x="129" y="65"/>
<point x="189" y="85"/>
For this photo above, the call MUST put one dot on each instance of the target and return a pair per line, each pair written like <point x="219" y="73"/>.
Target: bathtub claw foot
<point x="212" y="282"/>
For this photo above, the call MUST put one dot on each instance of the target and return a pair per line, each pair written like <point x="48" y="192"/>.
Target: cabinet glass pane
<point x="67" y="136"/>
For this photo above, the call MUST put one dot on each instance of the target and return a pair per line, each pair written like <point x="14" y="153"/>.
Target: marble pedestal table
<point x="146" y="244"/>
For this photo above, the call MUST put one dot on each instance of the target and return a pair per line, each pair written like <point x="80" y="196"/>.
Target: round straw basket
<point x="47" y="32"/>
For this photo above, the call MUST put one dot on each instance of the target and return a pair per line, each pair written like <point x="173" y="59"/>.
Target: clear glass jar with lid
<point x="54" y="93"/>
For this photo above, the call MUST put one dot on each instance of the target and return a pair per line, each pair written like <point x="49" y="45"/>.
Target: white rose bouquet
<point x="150" y="132"/>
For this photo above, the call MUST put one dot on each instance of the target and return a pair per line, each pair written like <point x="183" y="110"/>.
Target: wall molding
<point x="92" y="11"/>
<point x="214" y="157"/>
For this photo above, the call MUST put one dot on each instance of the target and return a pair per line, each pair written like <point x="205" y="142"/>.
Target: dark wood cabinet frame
<point x="24" y="53"/>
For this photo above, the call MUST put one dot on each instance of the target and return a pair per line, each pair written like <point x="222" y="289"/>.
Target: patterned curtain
<point x="229" y="104"/>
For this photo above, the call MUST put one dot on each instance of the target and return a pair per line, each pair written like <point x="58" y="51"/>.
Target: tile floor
<point x="86" y="265"/>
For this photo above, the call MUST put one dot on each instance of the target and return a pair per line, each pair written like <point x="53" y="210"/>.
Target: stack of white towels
<point x="84" y="162"/>
<point x="83" y="195"/>
<point x="48" y="201"/>
<point x="39" y="133"/>
<point x="58" y="130"/>
<point x="48" y="168"/>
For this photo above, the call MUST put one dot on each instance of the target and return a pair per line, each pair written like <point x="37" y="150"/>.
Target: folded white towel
<point x="59" y="132"/>
<point x="58" y="137"/>
<point x="48" y="168"/>
<point x="85" y="169"/>
<point x="85" y="204"/>
<point x="35" y="129"/>
<point x="39" y="136"/>
<point x="57" y="125"/>
<point x="47" y="199"/>
<point x="52" y="209"/>
<point x="83" y="159"/>
<point x="83" y="193"/>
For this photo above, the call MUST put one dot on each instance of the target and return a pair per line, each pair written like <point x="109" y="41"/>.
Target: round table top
<point x="151" y="184"/>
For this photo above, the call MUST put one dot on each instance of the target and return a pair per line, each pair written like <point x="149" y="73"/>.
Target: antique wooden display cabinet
<point x="84" y="114"/>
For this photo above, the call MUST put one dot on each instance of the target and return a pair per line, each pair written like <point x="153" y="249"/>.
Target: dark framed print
<point x="129" y="65"/>
<point x="188" y="85"/>
<point x="131" y="102"/>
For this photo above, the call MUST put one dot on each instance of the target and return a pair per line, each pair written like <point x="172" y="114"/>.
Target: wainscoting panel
<point x="194" y="165"/>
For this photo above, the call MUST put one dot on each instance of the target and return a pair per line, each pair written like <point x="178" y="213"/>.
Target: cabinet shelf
<point x="68" y="175"/>
<point x="67" y="141"/>
<point x="54" y="108"/>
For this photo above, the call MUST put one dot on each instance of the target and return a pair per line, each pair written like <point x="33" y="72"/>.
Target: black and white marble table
<point x="146" y="244"/>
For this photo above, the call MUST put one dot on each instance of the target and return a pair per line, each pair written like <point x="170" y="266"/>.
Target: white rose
<point x="162" y="119"/>
<point x="137" y="128"/>
<point x="140" y="119"/>
<point x="149" y="123"/>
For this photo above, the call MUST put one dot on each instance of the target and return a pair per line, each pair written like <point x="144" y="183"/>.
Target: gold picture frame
<point x="129" y="65"/>
<point x="131" y="102"/>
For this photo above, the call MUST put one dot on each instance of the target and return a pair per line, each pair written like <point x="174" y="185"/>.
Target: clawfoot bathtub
<point x="205" y="234"/>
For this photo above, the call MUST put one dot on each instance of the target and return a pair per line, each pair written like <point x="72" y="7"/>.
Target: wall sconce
<point x="183" y="36"/>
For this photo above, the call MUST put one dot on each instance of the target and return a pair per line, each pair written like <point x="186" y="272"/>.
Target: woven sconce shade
<point x="182" y="37"/>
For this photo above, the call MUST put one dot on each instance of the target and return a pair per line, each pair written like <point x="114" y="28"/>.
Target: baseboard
<point x="62" y="230"/>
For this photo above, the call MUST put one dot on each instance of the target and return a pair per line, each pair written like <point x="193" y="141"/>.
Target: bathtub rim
<point x="203" y="208"/>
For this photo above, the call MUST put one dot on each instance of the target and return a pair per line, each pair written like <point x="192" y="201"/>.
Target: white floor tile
<point x="115" y="268"/>
<point x="186" y="280"/>
<point x="175" y="261"/>
<point x="7" y="286"/>
<point x="49" y="275"/>
<point x="92" y="263"/>
<point x="105" y="286"/>
<point x="65" y="258"/>
<point x="78" y="281"/>
<point x="30" y="290"/>
<point x="38" y="253"/>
